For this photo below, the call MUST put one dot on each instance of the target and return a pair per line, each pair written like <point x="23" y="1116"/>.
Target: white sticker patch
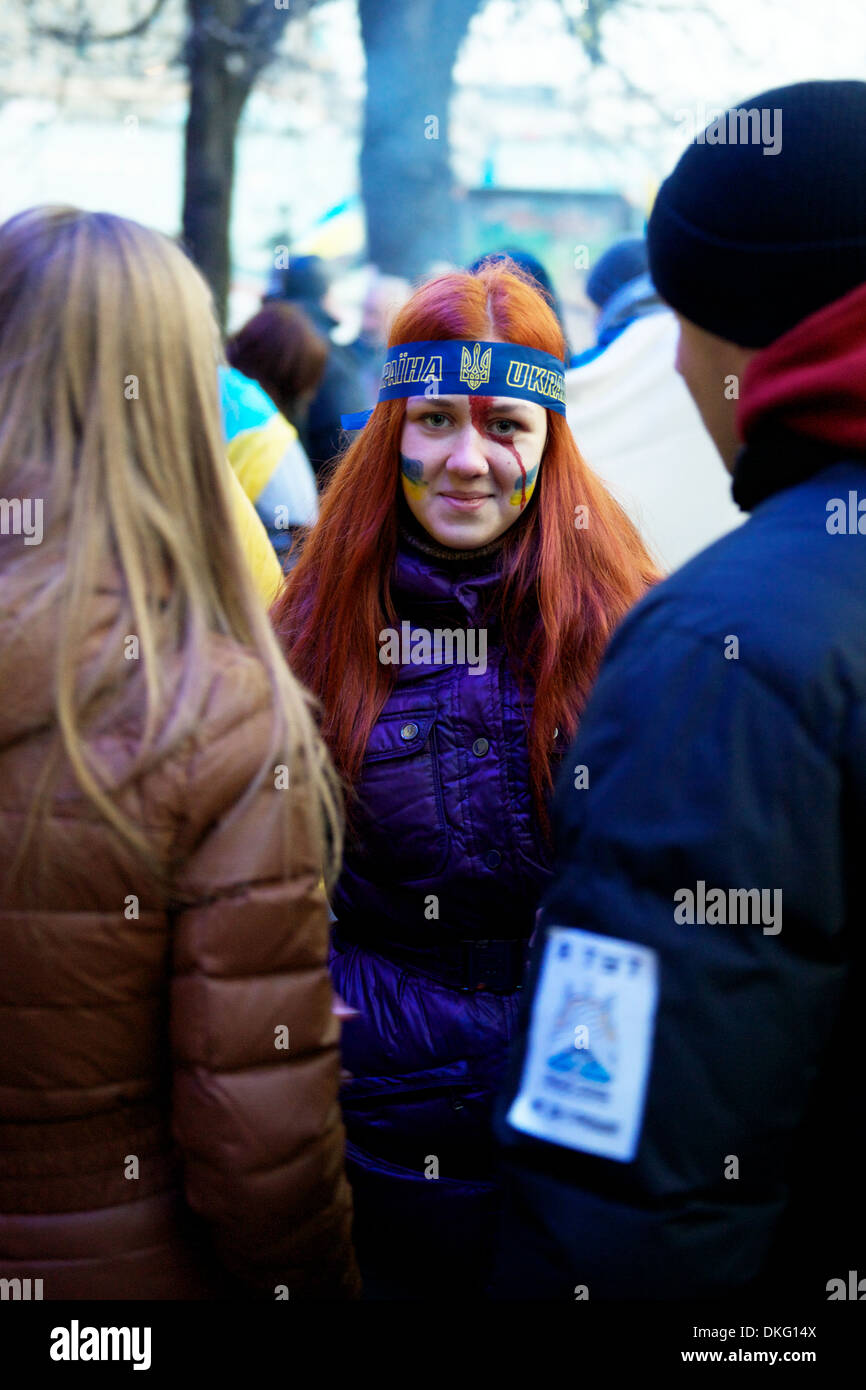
<point x="590" y="1043"/>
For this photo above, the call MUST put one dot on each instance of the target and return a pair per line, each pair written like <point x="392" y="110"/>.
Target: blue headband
<point x="449" y="367"/>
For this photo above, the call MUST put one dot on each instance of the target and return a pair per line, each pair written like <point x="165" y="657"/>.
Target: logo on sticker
<point x="583" y="1039"/>
<point x="589" y="1044"/>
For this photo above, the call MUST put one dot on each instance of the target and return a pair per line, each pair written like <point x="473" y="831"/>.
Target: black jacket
<point x="740" y="771"/>
<point x="340" y="392"/>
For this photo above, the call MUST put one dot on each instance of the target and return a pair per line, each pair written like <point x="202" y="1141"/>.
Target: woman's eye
<point x="434" y="418"/>
<point x="510" y="426"/>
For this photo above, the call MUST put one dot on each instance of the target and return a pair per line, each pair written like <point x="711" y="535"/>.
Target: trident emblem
<point x="475" y="369"/>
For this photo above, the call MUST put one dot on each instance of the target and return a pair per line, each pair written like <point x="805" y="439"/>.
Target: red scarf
<point x="812" y="380"/>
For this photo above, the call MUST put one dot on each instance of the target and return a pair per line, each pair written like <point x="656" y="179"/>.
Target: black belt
<point x="498" y="966"/>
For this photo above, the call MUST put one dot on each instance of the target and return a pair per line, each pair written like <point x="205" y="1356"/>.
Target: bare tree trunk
<point x="215" y="106"/>
<point x="230" y="42"/>
<point x="406" y="180"/>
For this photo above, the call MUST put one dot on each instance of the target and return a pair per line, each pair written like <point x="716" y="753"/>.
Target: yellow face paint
<point x="520" y="496"/>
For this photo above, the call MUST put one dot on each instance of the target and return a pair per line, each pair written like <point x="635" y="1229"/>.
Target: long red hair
<point x="575" y="583"/>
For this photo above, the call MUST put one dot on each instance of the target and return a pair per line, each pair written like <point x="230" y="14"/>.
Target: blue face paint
<point x="413" y="475"/>
<point x="450" y="367"/>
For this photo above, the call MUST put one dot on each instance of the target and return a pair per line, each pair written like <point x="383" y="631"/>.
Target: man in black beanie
<point x="684" y="1117"/>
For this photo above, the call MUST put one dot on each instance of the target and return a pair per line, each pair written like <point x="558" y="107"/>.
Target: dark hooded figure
<point x="684" y="1117"/>
<point x="340" y="391"/>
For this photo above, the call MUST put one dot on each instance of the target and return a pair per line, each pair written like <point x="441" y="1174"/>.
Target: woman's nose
<point x="468" y="453"/>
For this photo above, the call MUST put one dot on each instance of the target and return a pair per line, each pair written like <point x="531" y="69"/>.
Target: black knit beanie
<point x="763" y="220"/>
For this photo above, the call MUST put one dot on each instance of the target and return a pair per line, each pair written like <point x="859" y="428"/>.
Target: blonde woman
<point x="169" y="1067"/>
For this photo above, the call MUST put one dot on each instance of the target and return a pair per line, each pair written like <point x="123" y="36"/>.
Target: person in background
<point x="281" y="350"/>
<point x="466" y="512"/>
<point x="531" y="266"/>
<point x="265" y="570"/>
<point x="305" y="283"/>
<point x="685" y="1114"/>
<point x="169" y="1061"/>
<point x="385" y="295"/>
<point x="636" y="422"/>
<point x="620" y="287"/>
<point x="268" y="460"/>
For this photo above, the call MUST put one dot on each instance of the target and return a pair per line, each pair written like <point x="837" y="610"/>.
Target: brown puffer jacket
<point x="155" y="1141"/>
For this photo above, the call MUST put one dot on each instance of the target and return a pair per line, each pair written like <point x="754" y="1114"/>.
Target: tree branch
<point x="85" y="33"/>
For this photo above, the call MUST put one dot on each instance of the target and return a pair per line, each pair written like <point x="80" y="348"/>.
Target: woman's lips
<point x="463" y="502"/>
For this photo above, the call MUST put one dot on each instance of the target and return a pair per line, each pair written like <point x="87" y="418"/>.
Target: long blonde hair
<point x="109" y="410"/>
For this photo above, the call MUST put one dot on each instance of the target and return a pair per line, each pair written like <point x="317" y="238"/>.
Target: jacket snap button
<point x="408" y="731"/>
<point x="480" y="747"/>
<point x="493" y="859"/>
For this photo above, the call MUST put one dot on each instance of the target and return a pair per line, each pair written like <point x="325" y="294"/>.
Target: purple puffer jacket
<point x="448" y="852"/>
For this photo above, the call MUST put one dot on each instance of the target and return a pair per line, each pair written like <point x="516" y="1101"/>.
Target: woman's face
<point x="469" y="464"/>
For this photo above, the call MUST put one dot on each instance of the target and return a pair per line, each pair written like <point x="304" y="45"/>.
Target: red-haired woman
<point x="449" y="611"/>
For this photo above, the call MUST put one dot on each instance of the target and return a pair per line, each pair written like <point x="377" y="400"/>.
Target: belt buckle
<point x="484" y="959"/>
<point x="468" y="965"/>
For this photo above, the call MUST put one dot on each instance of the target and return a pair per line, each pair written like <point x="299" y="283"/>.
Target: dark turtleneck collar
<point x="428" y="546"/>
<point x="778" y="459"/>
<point x="412" y="534"/>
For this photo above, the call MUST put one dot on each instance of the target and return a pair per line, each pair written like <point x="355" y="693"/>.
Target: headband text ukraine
<point x="449" y="367"/>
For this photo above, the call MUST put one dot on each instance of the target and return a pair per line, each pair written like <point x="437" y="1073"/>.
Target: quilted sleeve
<point x="254" y="1039"/>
